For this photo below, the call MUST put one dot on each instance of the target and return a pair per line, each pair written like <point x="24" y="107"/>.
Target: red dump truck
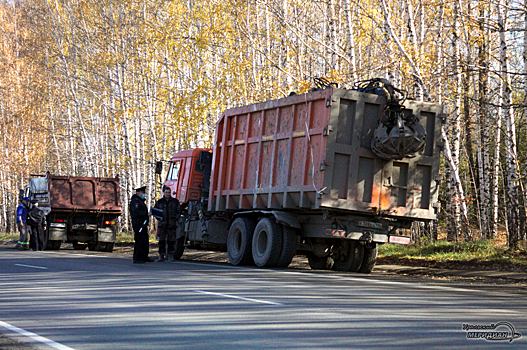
<point x="80" y="210"/>
<point x="329" y="174"/>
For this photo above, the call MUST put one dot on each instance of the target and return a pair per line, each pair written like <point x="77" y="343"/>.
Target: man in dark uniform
<point x="35" y="217"/>
<point x="139" y="215"/>
<point x="167" y="226"/>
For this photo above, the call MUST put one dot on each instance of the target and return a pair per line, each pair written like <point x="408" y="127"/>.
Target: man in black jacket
<point x="139" y="215"/>
<point x="35" y="218"/>
<point x="167" y="226"/>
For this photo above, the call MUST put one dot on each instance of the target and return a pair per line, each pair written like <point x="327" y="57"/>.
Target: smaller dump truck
<point x="79" y="210"/>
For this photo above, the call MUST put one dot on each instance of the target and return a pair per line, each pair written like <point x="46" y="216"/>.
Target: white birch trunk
<point x="440" y="53"/>
<point x="333" y="35"/>
<point x="496" y="167"/>
<point x="415" y="69"/>
<point x="454" y="196"/>
<point x="412" y="33"/>
<point x="483" y="129"/>
<point x="351" y="41"/>
<point x="510" y="135"/>
<point x="456" y="179"/>
<point x="4" y="196"/>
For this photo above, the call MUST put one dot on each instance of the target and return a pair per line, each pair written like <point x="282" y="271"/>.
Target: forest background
<point x="109" y="87"/>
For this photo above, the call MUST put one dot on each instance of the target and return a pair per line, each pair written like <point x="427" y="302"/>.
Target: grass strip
<point x="483" y="250"/>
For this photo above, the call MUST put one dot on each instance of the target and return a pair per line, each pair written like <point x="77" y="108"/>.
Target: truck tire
<point x="106" y="247"/>
<point x="52" y="245"/>
<point x="94" y="246"/>
<point x="349" y="257"/>
<point x="239" y="241"/>
<point x="370" y="258"/>
<point x="319" y="263"/>
<point x="289" y="244"/>
<point x="267" y="243"/>
<point x="179" y="248"/>
<point x="79" y="246"/>
<point x="47" y="245"/>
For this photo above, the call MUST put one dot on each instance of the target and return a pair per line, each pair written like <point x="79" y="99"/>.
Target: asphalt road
<point x="55" y="300"/>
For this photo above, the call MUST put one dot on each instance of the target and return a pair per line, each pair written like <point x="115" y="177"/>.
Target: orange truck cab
<point x="186" y="174"/>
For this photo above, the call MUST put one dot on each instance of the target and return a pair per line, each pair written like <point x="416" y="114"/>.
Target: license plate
<point x="369" y="224"/>
<point x="399" y="239"/>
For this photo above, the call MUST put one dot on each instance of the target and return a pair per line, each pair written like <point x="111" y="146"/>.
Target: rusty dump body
<point x="81" y="210"/>
<point x="312" y="152"/>
<point x="84" y="194"/>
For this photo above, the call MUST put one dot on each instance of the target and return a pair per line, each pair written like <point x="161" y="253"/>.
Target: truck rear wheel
<point x="267" y="243"/>
<point x="370" y="258"/>
<point x="94" y="246"/>
<point x="319" y="263"/>
<point x="52" y="245"/>
<point x="106" y="247"/>
<point x="179" y="248"/>
<point x="348" y="256"/>
<point x="48" y="244"/>
<point x="239" y="241"/>
<point x="289" y="245"/>
<point x="79" y="246"/>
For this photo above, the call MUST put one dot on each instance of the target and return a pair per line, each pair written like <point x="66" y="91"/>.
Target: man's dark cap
<point x="141" y="189"/>
<point x="34" y="201"/>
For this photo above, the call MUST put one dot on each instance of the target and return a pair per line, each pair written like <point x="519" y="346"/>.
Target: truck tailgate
<point x="92" y="194"/>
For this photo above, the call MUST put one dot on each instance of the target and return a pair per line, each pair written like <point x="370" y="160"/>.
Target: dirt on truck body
<point x="329" y="174"/>
<point x="80" y="210"/>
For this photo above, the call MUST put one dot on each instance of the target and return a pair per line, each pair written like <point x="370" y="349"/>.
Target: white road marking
<point x="80" y="253"/>
<point x="35" y="267"/>
<point x="36" y="337"/>
<point x="236" y="297"/>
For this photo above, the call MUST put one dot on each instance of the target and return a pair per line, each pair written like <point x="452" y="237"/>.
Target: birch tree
<point x="513" y="219"/>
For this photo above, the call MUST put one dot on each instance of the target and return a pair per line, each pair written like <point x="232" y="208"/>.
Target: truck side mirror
<point x="20" y="195"/>
<point x="159" y="168"/>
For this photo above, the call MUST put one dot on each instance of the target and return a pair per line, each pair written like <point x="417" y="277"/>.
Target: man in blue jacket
<point x="21" y="222"/>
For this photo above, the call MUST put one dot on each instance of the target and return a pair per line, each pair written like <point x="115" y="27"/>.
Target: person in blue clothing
<point x="21" y="222"/>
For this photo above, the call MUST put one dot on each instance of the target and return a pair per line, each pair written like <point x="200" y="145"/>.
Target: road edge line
<point x="35" y="337"/>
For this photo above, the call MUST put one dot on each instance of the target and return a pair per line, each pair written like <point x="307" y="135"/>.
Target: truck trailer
<point x="79" y="210"/>
<point x="329" y="174"/>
